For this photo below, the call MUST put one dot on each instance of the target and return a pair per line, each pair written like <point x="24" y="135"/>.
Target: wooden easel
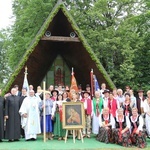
<point x="74" y="135"/>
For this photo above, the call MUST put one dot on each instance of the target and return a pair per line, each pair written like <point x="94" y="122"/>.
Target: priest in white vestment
<point x="30" y="116"/>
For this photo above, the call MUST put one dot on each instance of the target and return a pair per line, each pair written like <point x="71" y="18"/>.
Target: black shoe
<point x="1" y="141"/>
<point x="16" y="139"/>
<point x="11" y="140"/>
<point x="33" y="139"/>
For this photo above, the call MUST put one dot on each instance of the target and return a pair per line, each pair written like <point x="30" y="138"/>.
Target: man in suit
<point x="18" y="93"/>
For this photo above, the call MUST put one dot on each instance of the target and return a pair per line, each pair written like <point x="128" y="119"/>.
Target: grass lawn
<point x="89" y="144"/>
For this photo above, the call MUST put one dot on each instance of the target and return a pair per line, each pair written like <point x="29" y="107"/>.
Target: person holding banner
<point x="48" y="111"/>
<point x="57" y="114"/>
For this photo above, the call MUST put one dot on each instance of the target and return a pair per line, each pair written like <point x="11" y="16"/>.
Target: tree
<point x="4" y="68"/>
<point x="117" y="31"/>
<point x="29" y="17"/>
<point x="112" y="36"/>
<point x="142" y="55"/>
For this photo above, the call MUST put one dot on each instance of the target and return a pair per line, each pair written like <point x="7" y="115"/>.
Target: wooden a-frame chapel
<point x="58" y="46"/>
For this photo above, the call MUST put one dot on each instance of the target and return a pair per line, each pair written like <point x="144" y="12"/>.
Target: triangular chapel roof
<point x="74" y="50"/>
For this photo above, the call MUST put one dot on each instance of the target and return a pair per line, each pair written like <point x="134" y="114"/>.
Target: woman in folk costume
<point x="48" y="111"/>
<point x="106" y="123"/>
<point x="126" y="106"/>
<point x="65" y="97"/>
<point x="112" y="104"/>
<point x="54" y="94"/>
<point x="138" y="136"/>
<point x="57" y="113"/>
<point x="97" y="107"/>
<point x="115" y="95"/>
<point x="146" y="107"/>
<point x="121" y="133"/>
<point x="88" y="111"/>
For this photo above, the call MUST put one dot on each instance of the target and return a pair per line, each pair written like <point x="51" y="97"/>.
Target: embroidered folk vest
<point x="123" y="123"/>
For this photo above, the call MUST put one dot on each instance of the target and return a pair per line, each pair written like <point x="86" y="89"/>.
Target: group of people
<point x="113" y="116"/>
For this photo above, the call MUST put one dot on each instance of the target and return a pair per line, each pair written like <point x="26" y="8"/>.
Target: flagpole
<point x="72" y="71"/>
<point x="92" y="88"/>
<point x="26" y="71"/>
<point x="94" y="83"/>
<point x="44" y="118"/>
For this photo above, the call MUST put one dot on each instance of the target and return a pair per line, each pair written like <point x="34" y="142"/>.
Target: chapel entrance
<point x="58" y="73"/>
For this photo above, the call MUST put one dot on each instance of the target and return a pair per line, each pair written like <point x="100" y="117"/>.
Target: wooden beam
<point x="60" y="38"/>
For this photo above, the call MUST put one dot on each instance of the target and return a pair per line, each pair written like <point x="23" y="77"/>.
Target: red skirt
<point x="121" y="139"/>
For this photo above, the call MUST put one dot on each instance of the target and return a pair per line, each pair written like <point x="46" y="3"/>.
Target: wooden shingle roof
<point x="43" y="50"/>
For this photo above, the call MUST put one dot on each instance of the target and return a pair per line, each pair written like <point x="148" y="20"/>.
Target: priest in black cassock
<point x="1" y="117"/>
<point x="12" y="116"/>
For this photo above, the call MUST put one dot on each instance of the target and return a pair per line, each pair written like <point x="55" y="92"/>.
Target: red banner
<point x="73" y="83"/>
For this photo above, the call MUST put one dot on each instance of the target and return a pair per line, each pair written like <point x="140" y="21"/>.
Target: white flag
<point x="25" y="82"/>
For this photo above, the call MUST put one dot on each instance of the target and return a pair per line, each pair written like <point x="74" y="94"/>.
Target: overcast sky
<point x="5" y="13"/>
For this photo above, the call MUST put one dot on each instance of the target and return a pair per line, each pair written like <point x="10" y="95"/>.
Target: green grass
<point x="89" y="144"/>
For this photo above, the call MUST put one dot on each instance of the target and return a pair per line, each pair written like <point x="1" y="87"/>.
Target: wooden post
<point x="74" y="135"/>
<point x="72" y="71"/>
<point x="92" y="88"/>
<point x="81" y="135"/>
<point x="44" y="117"/>
<point x="66" y="135"/>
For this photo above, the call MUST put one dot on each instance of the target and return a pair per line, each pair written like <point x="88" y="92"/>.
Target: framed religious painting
<point x="73" y="115"/>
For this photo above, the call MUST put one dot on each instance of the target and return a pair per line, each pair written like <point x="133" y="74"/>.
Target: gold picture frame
<point x="73" y="115"/>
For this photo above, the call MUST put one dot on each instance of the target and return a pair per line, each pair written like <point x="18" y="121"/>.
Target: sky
<point x="5" y="13"/>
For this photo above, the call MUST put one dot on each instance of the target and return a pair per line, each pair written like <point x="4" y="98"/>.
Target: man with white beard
<point x="30" y="116"/>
